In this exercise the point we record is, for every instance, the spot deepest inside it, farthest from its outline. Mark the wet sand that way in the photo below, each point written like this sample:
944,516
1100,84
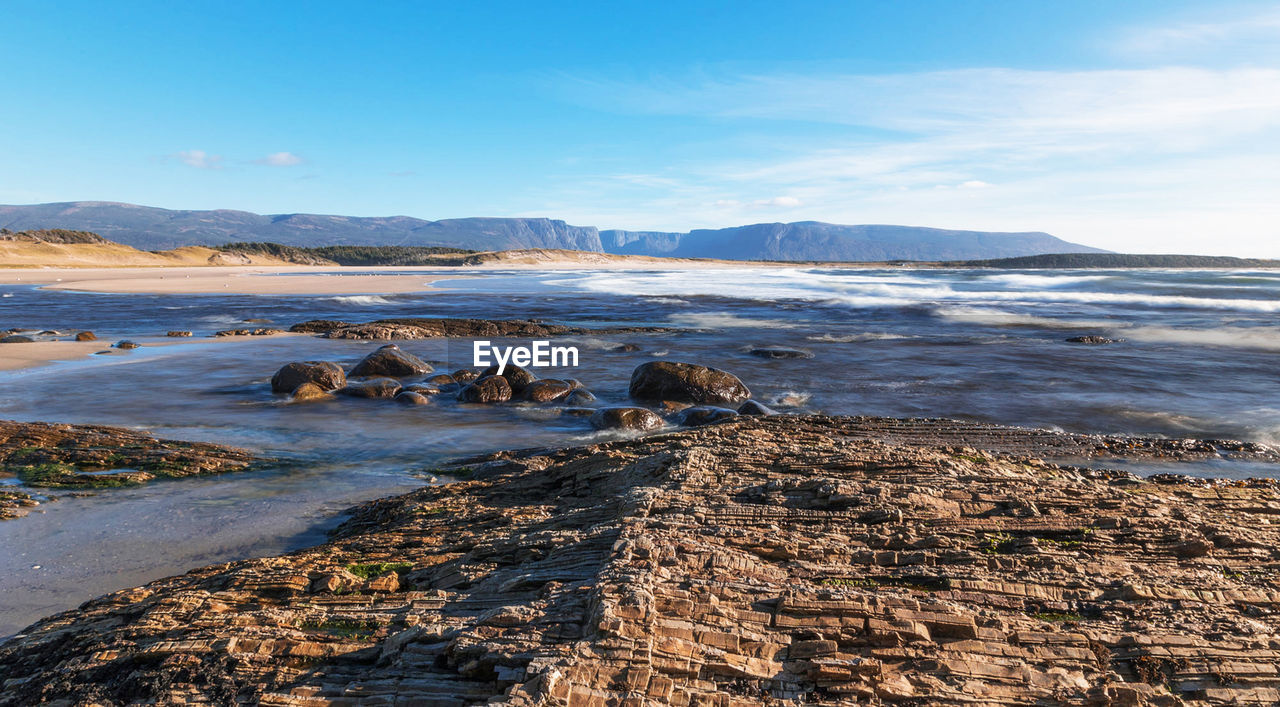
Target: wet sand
28,355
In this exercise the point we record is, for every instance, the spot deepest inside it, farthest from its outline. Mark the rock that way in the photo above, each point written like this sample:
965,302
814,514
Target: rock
544,391
1093,340
1197,547
325,374
257,320
126,344
579,397
785,560
371,388
443,380
780,353
578,411
310,392
408,397
519,378
390,361
17,339
431,328
625,418
487,389
752,407
464,375
422,389
178,333
625,348
705,415
233,332
686,382
86,336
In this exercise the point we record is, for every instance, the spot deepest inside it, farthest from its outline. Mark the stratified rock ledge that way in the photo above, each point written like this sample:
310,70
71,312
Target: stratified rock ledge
763,560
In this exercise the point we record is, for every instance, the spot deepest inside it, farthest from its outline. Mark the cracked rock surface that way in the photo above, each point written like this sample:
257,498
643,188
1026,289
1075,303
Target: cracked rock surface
763,560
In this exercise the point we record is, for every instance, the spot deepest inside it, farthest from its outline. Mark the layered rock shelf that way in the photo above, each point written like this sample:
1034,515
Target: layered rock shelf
434,328
93,456
762,560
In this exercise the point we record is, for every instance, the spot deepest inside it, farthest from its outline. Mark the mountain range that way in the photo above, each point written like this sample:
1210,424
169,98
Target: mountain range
153,228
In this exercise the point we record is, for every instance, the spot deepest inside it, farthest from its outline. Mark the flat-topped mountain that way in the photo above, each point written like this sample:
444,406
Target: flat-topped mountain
153,228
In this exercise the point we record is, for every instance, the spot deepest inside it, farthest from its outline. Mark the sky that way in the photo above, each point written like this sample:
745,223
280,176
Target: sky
1137,126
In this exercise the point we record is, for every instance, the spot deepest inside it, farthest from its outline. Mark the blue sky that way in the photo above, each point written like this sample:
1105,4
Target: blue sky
1138,126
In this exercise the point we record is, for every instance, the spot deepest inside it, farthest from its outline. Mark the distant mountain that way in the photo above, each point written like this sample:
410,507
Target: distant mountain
1117,261
813,240
154,229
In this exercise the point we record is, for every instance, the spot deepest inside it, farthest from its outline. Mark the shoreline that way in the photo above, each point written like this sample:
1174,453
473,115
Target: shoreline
23,356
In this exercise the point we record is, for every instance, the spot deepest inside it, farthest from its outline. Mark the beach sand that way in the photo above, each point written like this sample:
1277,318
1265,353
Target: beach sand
239,280
38,353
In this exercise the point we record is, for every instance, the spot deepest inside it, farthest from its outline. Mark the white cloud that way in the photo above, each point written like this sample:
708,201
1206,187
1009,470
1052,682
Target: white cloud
1146,159
199,159
1255,33
280,159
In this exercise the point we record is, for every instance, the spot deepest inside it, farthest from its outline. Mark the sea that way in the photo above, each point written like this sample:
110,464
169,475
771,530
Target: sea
1197,355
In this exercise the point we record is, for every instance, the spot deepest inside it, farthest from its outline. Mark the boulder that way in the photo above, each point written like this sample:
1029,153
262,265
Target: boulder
324,374
126,344
408,397
372,388
464,375
308,391
686,382
422,389
752,407
178,333
519,378
17,339
625,418
579,397
390,361
544,391
86,336
442,379
780,352
704,415
489,389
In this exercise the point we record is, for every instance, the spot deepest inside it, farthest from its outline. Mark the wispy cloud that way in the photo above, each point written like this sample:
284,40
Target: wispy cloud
280,159
1256,33
1092,155
199,159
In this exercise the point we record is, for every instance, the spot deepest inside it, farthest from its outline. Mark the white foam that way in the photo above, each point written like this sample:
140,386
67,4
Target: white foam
360,299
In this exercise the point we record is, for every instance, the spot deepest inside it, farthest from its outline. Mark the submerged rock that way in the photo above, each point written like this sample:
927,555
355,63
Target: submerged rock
780,353
409,397
579,397
752,407
371,388
686,382
1092,340
17,339
705,415
625,418
422,389
390,361
488,389
324,374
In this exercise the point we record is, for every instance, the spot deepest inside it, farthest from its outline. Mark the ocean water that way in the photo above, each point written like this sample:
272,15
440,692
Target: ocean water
1199,360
